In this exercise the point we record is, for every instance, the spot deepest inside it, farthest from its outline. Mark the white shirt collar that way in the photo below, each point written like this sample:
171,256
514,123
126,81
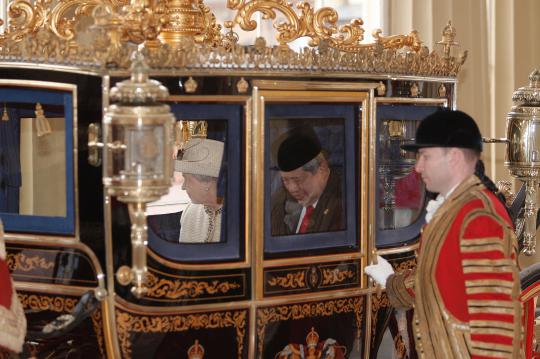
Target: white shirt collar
434,204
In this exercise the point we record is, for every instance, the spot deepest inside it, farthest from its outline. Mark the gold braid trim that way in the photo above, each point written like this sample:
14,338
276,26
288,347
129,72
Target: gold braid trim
396,287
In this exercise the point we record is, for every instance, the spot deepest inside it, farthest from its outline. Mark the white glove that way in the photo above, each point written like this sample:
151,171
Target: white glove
380,271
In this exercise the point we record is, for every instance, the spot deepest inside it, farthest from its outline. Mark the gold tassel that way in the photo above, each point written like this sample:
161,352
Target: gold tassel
42,124
5,115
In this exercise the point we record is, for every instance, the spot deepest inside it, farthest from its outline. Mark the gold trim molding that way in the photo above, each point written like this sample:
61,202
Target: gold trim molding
90,34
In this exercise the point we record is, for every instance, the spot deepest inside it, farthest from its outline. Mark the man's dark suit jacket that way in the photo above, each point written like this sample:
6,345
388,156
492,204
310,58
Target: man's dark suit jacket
329,214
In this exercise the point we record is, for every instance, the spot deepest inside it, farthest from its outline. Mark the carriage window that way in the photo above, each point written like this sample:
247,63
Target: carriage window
307,183
193,209
36,159
401,191
401,195
201,219
311,163
33,176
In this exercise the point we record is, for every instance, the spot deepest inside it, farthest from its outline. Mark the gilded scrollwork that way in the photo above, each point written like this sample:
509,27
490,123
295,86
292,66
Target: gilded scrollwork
335,275
28,17
40,302
267,315
128,323
159,287
97,324
21,262
47,31
378,301
289,280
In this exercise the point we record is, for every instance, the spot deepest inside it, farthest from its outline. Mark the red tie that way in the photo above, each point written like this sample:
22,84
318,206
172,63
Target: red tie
305,220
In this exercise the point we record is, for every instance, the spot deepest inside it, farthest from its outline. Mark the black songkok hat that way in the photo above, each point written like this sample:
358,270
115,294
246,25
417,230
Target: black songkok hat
447,128
299,147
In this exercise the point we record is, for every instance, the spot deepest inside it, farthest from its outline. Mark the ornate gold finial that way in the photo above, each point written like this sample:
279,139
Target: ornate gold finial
198,129
381,89
414,90
442,90
190,85
396,128
448,39
242,85
142,23
196,351
183,18
312,339
5,115
184,132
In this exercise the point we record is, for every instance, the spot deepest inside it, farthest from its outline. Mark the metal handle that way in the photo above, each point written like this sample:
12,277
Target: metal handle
529,233
137,274
495,140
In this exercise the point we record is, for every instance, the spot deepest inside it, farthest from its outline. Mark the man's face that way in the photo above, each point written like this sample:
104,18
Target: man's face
433,165
304,186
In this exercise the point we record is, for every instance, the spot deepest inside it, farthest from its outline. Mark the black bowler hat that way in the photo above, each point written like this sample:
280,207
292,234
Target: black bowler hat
299,147
447,128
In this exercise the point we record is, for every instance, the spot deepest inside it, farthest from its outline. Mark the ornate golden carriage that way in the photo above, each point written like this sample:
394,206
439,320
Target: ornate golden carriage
256,293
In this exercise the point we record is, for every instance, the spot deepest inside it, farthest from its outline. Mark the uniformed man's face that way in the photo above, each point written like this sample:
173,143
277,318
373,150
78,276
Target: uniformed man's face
433,165
304,186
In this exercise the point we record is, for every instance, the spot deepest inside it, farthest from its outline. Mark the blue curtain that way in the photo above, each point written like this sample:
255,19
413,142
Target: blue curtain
10,163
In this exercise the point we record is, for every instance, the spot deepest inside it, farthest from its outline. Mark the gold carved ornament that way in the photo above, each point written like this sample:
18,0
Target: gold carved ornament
176,289
318,25
128,323
328,308
336,275
97,324
378,301
49,32
52,28
290,280
38,303
24,263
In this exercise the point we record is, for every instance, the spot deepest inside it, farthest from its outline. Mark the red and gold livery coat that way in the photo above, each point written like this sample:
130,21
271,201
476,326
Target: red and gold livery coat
12,319
466,286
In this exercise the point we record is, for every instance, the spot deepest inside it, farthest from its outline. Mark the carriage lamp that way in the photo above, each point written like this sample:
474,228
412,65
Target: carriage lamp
523,151
137,165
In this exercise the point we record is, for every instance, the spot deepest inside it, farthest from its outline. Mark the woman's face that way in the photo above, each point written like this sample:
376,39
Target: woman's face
198,191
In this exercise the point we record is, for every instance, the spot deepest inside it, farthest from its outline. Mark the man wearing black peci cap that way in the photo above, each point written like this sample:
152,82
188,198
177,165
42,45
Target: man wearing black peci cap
465,287
310,199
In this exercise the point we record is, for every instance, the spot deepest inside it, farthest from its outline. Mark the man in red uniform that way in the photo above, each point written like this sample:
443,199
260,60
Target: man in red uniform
465,288
12,319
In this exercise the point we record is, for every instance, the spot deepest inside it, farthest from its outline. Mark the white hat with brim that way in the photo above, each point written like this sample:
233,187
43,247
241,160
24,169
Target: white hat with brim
201,157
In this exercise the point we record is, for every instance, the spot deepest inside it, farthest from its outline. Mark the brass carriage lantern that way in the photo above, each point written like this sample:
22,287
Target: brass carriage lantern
137,164
523,151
